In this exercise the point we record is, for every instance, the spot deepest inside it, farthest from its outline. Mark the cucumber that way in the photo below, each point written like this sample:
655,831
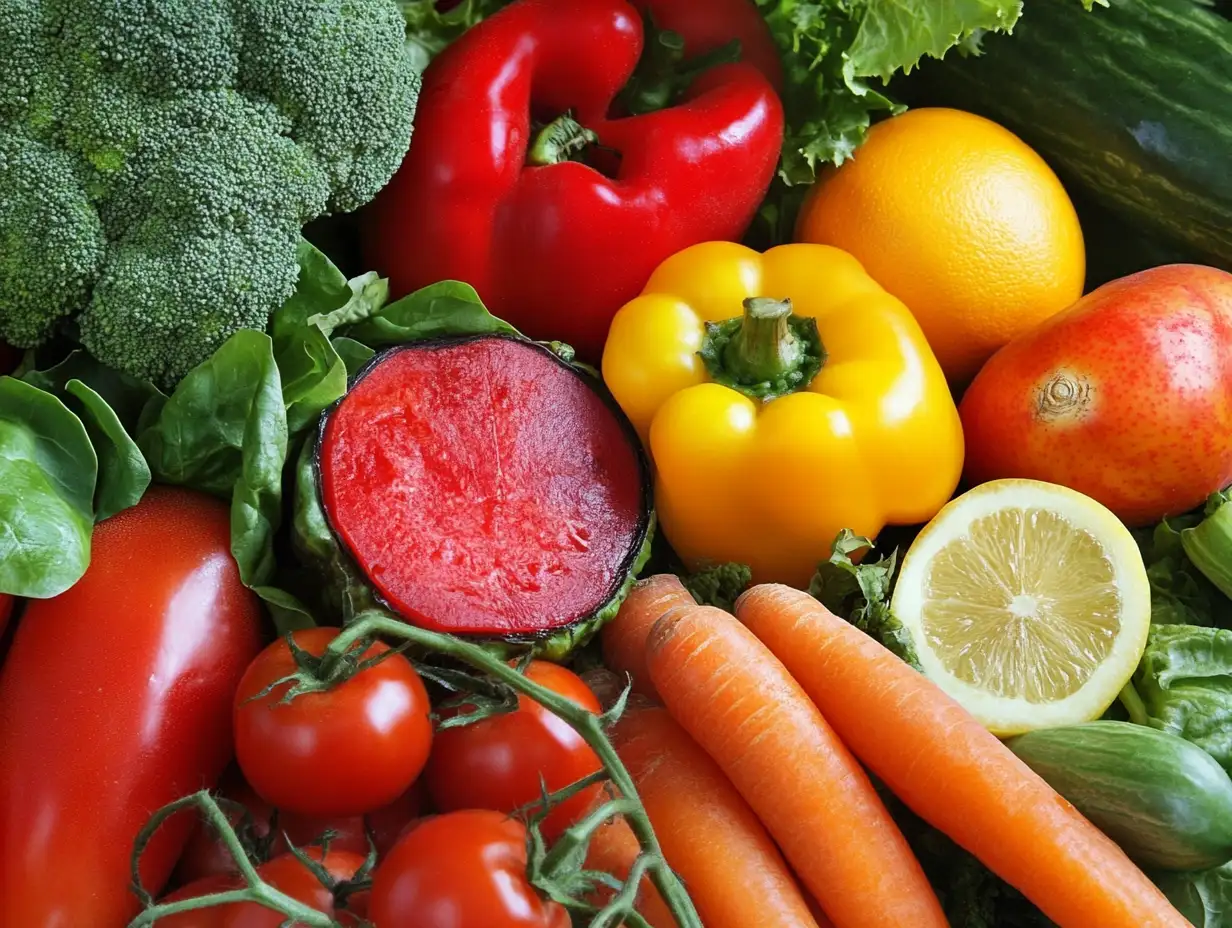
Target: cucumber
1165,801
1129,103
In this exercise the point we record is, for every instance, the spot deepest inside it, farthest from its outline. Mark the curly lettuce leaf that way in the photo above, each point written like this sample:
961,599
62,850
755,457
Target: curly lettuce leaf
429,29
839,54
860,593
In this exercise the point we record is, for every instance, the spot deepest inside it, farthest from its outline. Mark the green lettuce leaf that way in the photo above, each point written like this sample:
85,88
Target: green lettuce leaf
428,30
48,471
838,55
1209,543
1203,897
860,593
1185,683
1180,593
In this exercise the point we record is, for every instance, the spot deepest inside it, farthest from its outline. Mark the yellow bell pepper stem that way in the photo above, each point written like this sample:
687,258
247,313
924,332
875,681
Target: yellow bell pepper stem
735,365
768,352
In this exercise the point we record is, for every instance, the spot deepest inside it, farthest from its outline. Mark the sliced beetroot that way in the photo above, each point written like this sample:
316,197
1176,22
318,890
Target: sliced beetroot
485,486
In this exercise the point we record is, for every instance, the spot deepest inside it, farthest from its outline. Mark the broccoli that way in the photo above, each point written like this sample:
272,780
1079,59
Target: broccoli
158,159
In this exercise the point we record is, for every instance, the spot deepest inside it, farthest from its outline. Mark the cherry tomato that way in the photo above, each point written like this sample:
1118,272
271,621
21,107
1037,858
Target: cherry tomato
497,763
285,873
461,870
207,856
114,701
343,751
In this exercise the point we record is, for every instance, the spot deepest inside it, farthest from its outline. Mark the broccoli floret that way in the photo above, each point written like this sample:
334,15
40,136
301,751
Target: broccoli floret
158,159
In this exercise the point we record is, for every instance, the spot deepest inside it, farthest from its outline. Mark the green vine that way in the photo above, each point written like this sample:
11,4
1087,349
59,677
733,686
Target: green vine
557,872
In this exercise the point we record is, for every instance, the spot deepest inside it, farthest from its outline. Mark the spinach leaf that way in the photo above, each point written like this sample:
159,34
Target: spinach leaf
224,431
446,308
354,354
48,471
123,475
860,593
1185,682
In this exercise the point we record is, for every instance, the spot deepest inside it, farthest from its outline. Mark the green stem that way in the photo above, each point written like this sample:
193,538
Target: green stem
559,141
586,724
256,891
765,347
1134,705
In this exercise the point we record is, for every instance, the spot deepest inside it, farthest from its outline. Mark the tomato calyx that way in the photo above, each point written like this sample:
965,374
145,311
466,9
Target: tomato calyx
317,674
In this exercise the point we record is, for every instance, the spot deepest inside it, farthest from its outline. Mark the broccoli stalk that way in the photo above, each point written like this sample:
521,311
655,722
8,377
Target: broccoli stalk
158,159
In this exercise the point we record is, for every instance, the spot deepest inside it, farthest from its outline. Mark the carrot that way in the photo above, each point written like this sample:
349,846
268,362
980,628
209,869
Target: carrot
709,835
624,638
952,772
742,706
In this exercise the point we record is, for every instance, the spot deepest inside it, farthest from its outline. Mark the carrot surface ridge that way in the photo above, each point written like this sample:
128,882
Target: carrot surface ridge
742,706
624,638
951,771
709,835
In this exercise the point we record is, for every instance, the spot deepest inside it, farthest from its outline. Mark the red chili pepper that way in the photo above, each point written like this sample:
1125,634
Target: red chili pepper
489,196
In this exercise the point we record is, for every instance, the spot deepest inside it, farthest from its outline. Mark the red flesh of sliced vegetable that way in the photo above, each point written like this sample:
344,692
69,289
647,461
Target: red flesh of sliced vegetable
484,486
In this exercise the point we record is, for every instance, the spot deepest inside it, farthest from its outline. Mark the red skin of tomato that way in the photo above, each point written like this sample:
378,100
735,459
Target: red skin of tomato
497,763
462,870
114,701
1126,396
341,752
285,873
206,855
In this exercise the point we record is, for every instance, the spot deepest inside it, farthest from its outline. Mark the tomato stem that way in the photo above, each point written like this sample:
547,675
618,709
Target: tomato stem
586,724
256,891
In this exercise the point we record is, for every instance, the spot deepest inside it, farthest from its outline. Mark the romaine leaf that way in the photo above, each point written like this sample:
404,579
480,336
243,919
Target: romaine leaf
1185,682
860,593
48,471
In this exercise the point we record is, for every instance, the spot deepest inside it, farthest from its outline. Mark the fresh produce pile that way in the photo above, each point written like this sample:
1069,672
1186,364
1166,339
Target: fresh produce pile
612,463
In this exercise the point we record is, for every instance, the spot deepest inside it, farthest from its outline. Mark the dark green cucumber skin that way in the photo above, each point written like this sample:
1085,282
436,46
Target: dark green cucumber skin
1130,104
1165,801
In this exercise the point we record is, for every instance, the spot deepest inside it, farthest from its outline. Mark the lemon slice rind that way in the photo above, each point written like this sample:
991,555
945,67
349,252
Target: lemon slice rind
1006,715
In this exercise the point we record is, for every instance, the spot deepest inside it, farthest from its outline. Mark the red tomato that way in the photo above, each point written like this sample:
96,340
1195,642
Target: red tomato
346,751
462,870
115,700
206,856
497,763
284,873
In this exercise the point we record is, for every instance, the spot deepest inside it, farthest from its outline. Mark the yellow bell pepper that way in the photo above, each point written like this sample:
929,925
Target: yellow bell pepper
783,397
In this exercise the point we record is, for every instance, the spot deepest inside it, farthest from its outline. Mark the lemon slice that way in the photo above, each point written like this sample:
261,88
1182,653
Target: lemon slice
1028,603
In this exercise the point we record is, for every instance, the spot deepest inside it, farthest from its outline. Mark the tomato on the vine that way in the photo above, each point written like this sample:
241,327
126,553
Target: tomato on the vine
206,855
497,763
115,699
461,870
285,873
343,751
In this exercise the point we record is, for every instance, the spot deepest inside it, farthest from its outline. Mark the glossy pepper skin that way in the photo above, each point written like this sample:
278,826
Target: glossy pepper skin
872,438
557,248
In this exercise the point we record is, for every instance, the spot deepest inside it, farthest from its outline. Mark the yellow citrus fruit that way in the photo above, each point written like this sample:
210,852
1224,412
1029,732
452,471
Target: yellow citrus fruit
1028,603
959,219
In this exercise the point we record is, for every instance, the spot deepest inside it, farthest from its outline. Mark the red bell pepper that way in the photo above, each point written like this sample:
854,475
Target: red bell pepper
491,192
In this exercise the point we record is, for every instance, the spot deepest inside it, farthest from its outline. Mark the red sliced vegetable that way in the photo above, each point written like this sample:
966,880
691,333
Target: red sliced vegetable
485,486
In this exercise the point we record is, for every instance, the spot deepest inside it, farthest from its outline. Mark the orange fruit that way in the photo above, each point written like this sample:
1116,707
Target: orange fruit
962,221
